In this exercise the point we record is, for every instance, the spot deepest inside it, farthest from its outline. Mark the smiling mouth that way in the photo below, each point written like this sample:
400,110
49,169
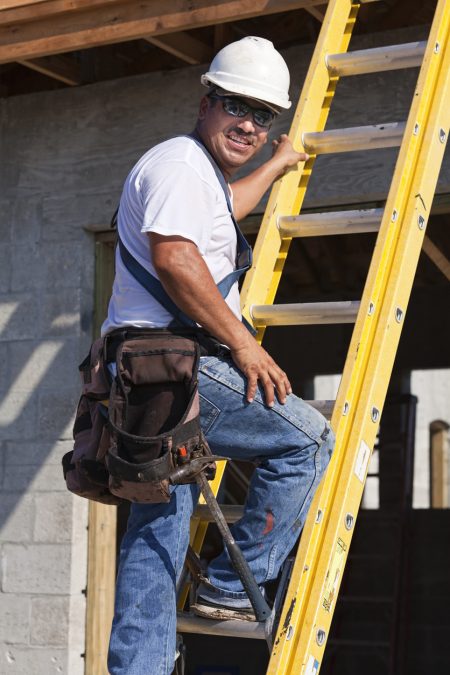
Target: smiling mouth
244,141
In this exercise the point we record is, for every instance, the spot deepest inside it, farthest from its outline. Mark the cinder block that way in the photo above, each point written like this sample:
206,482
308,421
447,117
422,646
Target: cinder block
14,619
5,267
22,323
37,661
65,216
49,364
36,568
28,270
6,206
4,367
50,621
60,313
57,413
26,452
16,517
63,265
34,478
53,517
18,415
26,219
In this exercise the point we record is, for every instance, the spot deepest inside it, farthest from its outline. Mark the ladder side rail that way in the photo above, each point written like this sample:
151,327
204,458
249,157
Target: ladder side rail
372,348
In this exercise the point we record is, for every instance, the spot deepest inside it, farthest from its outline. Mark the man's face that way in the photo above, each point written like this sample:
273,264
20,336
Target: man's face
232,141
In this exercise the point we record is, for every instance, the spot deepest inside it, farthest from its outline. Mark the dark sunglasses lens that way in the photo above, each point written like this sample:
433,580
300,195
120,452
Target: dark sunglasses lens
263,118
235,108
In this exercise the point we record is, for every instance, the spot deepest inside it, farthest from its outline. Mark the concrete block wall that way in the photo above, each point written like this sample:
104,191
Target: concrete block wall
65,155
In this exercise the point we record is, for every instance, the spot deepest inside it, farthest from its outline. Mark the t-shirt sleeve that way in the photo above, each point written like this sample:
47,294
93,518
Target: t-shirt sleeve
177,201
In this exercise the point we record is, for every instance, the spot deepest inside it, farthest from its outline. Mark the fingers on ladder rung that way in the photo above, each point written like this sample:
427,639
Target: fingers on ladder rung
300,314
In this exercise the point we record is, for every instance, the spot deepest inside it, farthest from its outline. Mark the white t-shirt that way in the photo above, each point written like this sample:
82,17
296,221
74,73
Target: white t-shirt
172,190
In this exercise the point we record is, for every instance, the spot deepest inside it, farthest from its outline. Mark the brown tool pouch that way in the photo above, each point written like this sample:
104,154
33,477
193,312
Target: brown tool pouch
151,426
154,414
84,467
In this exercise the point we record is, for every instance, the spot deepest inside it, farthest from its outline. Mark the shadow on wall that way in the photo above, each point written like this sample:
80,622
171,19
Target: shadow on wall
39,390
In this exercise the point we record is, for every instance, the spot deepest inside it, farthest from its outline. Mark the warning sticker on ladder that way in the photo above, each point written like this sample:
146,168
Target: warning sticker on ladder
334,573
312,667
362,460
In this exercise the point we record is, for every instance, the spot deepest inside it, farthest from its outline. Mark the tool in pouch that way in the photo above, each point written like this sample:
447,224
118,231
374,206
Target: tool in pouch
149,436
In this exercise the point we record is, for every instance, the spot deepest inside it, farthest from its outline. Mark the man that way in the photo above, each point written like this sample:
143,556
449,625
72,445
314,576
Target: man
175,221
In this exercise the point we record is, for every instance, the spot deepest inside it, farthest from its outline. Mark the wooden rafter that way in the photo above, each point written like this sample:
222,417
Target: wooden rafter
317,12
44,28
436,255
184,47
58,67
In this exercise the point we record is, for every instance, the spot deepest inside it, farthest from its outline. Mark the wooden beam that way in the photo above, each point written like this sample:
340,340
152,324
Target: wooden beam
79,25
439,460
100,585
317,12
184,47
436,256
59,68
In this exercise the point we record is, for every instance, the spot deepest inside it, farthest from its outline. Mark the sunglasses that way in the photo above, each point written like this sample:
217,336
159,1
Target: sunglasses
237,108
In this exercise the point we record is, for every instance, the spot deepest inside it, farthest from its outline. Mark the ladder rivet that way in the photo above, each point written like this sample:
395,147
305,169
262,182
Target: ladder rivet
421,222
346,408
319,515
349,520
141,476
320,637
442,135
394,215
375,414
290,632
371,309
398,314
416,128
437,47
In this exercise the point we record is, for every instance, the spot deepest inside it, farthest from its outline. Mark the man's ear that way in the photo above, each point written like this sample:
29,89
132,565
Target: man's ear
204,105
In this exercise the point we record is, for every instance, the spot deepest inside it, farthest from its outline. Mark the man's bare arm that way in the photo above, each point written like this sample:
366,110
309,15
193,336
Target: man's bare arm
248,191
186,278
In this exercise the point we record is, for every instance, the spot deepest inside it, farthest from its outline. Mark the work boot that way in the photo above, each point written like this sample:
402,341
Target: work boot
211,605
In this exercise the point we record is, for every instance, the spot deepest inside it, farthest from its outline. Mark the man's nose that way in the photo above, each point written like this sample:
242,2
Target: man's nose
246,124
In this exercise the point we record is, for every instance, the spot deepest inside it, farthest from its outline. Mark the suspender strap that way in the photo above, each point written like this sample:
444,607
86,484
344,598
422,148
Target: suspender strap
154,286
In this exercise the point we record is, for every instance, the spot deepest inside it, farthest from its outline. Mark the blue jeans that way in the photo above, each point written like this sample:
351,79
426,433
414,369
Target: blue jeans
291,445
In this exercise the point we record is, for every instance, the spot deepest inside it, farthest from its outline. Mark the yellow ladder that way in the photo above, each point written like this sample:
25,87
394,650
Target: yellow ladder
303,629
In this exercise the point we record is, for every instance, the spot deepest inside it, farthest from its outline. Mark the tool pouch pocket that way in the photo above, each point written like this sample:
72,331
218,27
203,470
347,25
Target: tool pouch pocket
154,415
84,467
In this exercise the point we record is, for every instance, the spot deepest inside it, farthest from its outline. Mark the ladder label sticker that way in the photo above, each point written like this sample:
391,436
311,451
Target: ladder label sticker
312,667
333,574
362,460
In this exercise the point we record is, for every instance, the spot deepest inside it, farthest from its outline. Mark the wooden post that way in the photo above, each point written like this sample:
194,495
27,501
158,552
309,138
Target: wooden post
439,465
100,585
102,517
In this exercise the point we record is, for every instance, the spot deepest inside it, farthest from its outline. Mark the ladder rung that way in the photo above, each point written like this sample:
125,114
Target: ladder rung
371,137
330,222
392,57
189,623
231,512
299,314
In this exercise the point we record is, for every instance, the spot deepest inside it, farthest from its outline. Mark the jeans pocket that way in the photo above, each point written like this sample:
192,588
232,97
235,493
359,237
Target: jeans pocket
208,413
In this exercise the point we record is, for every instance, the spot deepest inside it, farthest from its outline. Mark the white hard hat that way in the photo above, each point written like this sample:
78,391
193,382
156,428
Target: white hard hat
251,67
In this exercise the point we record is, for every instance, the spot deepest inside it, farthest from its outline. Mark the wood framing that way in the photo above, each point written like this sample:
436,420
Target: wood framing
439,464
42,28
58,67
183,46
